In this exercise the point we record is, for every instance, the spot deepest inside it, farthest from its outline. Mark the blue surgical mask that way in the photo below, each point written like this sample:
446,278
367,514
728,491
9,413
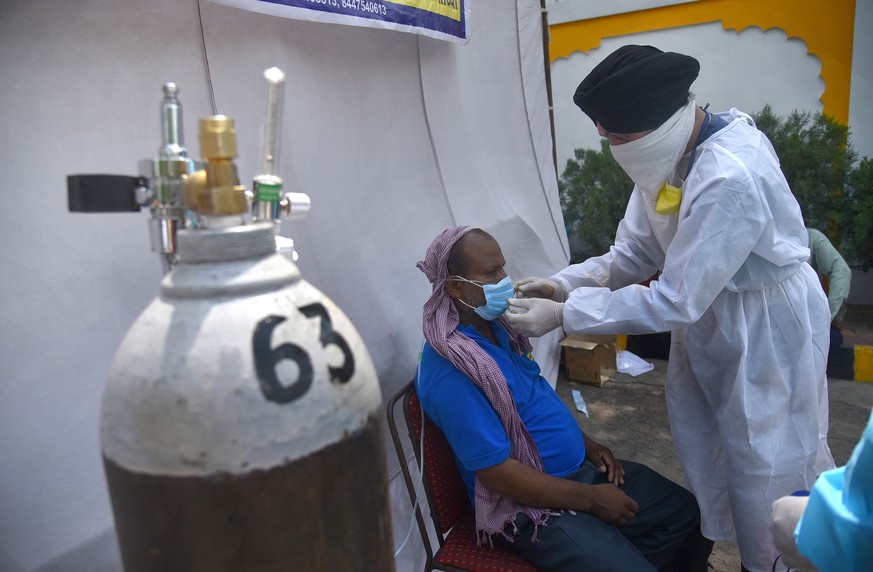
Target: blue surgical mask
496,298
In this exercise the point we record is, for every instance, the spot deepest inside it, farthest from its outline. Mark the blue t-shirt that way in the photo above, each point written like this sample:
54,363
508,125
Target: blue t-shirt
472,427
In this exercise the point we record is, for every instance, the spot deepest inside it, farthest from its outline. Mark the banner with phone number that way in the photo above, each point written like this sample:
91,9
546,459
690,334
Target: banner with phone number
441,19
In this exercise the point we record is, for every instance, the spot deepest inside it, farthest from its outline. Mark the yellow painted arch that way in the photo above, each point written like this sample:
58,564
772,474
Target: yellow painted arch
827,27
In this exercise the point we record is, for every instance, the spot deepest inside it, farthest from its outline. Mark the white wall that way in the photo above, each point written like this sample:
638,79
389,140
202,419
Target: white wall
860,110
395,137
561,11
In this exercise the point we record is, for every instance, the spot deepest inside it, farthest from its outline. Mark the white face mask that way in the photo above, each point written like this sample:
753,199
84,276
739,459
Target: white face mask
651,160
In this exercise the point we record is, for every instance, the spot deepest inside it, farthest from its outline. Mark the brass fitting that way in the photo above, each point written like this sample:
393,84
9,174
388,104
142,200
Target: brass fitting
215,191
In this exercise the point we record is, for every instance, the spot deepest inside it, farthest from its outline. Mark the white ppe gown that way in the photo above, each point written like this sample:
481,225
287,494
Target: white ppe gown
746,389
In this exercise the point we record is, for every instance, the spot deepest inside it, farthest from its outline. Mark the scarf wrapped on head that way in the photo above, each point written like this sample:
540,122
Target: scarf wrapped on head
440,320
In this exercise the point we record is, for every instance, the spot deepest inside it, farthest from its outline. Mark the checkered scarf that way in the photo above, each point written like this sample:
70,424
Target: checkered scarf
440,319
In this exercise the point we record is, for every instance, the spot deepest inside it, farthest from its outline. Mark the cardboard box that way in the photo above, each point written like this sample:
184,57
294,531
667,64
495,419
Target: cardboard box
589,359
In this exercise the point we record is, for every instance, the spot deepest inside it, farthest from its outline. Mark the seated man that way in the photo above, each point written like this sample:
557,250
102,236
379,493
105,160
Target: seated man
537,483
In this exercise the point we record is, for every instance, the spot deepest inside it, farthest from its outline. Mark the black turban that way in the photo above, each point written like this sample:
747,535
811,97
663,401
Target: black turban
636,88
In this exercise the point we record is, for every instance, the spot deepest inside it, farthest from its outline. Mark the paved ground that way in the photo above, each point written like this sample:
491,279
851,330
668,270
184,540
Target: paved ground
630,416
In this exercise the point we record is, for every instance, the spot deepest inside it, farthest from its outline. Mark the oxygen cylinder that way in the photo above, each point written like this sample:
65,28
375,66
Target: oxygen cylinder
240,425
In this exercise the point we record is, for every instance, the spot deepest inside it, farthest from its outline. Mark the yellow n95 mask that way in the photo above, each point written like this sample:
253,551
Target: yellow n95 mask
669,199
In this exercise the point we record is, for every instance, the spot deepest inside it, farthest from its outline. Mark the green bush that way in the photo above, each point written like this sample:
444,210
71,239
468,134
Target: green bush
816,159
858,231
819,163
594,193
815,155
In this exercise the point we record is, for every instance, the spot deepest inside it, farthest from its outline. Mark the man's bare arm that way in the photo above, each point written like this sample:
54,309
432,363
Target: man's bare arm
531,487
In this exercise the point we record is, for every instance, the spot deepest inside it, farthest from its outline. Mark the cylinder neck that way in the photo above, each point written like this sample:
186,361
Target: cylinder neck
208,245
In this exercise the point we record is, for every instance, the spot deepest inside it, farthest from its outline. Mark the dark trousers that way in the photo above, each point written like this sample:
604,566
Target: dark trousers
836,337
666,525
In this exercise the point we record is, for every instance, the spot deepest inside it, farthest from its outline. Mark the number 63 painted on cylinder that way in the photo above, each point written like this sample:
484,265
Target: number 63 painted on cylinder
266,358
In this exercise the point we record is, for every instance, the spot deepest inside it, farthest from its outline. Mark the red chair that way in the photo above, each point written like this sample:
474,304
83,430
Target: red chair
451,512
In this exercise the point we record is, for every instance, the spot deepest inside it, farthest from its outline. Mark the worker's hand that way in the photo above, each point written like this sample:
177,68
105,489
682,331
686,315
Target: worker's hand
784,516
605,461
611,505
534,317
540,288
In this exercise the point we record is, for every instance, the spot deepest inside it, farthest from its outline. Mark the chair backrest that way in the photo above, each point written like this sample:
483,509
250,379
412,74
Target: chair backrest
446,491
446,494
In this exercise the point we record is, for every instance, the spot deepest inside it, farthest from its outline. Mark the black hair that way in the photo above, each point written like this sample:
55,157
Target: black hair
457,262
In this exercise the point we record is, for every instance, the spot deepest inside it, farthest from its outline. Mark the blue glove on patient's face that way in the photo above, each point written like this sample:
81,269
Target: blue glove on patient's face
534,317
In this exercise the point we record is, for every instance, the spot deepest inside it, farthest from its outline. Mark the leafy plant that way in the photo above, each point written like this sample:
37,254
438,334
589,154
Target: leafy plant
594,193
858,231
816,158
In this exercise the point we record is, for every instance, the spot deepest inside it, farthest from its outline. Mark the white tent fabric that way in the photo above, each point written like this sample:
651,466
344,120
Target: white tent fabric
394,136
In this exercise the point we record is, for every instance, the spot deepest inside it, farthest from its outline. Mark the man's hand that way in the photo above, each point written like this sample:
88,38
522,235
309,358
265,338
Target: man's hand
605,461
540,288
534,317
611,505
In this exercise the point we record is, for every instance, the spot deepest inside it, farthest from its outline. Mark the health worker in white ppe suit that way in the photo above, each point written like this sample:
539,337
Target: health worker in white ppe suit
710,210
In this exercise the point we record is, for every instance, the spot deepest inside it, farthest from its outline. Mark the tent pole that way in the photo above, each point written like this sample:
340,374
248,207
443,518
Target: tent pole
548,69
